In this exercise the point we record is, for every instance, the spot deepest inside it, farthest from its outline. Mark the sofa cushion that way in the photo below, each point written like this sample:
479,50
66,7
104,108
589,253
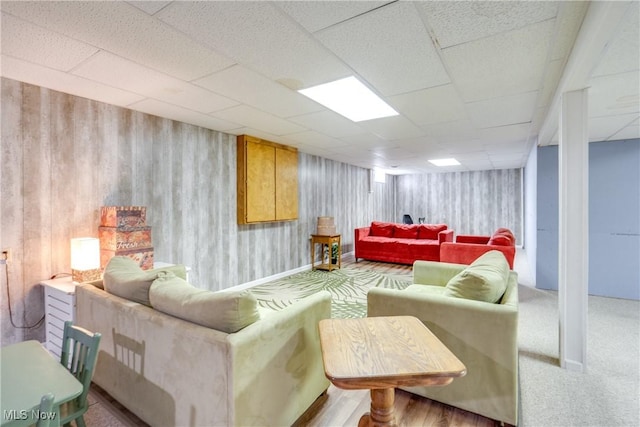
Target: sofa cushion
124,277
507,233
227,311
406,231
484,280
500,240
382,229
430,231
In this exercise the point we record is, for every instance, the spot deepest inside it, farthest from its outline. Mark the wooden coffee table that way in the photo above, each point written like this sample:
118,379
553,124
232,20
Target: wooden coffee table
382,353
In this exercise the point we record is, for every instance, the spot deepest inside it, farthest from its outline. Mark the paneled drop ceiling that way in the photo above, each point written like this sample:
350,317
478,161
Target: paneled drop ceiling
478,81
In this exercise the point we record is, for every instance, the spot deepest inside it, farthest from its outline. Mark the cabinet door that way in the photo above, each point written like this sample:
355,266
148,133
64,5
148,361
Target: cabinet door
261,182
286,184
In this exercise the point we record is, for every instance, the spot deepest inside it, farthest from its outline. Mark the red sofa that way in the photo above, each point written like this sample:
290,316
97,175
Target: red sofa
401,243
468,248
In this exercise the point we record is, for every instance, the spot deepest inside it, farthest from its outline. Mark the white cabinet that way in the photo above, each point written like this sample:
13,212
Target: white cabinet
59,306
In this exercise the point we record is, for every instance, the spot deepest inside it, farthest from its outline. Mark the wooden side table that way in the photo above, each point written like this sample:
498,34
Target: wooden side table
382,353
325,241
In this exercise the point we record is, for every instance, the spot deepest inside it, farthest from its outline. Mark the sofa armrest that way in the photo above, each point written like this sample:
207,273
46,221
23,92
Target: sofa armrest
445,236
362,232
277,363
481,325
482,335
466,253
467,238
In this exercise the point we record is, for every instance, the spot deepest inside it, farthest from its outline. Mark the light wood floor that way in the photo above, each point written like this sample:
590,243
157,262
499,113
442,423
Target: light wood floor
341,407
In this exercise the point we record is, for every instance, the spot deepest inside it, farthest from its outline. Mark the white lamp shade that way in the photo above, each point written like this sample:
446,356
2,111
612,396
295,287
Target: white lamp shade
85,253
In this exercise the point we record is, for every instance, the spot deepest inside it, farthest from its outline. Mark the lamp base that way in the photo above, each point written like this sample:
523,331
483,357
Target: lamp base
81,276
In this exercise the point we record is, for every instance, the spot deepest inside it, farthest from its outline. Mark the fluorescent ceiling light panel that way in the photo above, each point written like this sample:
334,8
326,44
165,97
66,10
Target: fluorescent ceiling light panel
444,162
350,98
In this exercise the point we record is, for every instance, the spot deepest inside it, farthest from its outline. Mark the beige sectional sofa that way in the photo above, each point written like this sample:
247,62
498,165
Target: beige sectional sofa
479,325
171,371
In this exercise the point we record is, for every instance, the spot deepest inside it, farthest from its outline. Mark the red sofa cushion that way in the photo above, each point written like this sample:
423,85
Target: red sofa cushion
500,240
382,229
430,231
425,249
406,231
503,232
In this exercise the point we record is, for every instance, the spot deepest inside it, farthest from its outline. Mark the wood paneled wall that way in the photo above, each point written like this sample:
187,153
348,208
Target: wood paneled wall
476,202
63,157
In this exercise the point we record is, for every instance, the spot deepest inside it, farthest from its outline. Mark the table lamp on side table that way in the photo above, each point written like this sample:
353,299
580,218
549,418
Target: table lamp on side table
85,259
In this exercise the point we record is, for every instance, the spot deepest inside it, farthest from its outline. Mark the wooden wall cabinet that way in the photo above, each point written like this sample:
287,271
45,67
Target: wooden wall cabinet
267,181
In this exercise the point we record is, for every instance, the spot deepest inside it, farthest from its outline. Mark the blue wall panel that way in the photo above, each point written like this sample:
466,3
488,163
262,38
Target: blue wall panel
614,219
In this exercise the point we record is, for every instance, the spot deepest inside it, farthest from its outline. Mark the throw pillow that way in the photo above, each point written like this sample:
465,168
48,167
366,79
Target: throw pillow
382,229
124,277
430,231
224,311
484,280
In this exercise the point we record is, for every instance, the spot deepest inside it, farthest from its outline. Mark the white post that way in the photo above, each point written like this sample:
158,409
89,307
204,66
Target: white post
573,271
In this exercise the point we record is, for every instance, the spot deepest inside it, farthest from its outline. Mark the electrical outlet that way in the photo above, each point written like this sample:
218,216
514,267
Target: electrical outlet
6,255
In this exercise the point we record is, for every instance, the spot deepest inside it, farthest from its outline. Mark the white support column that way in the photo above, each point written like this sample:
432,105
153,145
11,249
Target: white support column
573,271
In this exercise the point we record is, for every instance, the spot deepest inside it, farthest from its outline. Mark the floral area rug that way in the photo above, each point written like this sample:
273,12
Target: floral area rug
348,288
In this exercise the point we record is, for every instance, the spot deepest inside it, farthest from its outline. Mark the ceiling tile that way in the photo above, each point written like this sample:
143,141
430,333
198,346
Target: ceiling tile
251,88
396,127
244,31
328,123
517,132
252,118
148,6
315,139
173,112
457,22
614,94
434,105
363,140
118,72
508,110
500,65
603,128
401,58
126,31
27,72
31,43
631,131
623,54
450,131
316,15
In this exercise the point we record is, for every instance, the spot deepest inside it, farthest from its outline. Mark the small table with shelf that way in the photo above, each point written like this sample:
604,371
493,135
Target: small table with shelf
325,241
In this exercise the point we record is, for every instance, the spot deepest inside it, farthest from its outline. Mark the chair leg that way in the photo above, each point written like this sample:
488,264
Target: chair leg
80,421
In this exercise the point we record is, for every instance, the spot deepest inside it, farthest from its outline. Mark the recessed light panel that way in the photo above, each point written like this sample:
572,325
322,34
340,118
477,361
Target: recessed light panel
444,162
350,98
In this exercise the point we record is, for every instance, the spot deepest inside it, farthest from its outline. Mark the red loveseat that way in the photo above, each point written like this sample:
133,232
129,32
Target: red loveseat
468,248
401,243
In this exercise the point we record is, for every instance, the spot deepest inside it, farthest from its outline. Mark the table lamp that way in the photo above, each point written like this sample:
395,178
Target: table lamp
85,259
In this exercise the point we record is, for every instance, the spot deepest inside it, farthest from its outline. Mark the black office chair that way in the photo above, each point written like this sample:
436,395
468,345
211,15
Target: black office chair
406,219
